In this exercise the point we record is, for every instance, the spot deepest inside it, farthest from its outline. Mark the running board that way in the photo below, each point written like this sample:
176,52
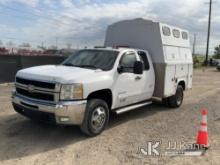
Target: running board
132,107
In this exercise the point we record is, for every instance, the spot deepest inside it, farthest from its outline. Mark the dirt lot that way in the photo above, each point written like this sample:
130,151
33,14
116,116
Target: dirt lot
25,142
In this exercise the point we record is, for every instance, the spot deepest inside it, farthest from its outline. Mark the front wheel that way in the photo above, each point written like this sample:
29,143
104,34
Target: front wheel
176,100
96,117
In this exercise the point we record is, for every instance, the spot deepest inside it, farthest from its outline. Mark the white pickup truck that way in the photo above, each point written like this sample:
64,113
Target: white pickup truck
140,60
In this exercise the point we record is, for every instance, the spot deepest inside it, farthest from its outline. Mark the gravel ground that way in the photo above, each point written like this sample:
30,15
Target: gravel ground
23,141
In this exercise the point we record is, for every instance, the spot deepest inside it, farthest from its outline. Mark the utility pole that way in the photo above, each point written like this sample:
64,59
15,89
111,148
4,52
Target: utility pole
194,44
208,34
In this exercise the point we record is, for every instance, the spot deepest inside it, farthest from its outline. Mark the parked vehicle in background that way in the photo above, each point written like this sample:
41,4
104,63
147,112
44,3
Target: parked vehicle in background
67,52
49,52
4,51
215,62
141,60
218,66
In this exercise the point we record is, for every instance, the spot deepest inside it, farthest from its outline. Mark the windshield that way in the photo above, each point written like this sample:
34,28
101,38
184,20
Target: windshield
92,59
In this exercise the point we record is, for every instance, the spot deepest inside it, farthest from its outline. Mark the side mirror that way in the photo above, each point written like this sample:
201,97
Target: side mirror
138,67
120,69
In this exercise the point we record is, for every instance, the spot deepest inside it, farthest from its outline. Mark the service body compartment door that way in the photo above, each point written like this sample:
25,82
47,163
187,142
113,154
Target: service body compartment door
190,76
172,55
170,85
181,70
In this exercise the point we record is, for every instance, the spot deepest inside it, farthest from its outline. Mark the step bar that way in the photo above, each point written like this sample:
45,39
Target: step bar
132,107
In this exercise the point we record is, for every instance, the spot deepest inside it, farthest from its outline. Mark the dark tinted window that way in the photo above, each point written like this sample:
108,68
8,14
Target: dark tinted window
92,59
166,31
127,62
184,35
176,33
144,59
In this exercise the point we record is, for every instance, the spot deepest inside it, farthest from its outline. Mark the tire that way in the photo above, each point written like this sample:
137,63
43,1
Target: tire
96,117
176,100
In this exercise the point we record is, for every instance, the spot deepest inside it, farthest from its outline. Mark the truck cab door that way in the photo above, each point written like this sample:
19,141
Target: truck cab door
128,85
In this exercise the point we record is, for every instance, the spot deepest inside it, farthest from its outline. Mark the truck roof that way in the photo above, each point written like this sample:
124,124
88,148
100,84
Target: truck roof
162,41
118,49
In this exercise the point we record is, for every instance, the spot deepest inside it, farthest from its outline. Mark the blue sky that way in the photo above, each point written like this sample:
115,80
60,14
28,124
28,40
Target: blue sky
83,22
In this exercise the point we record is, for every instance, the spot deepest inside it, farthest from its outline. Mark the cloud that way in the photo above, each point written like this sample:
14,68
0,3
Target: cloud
31,3
83,22
66,3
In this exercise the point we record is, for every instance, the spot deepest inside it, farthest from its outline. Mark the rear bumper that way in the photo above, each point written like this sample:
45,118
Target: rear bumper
66,112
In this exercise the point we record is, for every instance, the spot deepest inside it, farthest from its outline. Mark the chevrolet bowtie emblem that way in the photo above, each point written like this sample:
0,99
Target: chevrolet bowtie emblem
30,88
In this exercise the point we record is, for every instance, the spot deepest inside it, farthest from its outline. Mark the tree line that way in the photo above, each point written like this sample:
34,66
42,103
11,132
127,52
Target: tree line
217,52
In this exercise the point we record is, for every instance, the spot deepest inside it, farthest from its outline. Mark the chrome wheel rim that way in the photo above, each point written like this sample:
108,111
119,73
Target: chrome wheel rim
98,118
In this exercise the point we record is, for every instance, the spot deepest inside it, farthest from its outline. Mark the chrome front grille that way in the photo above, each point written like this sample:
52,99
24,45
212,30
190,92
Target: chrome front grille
37,90
39,84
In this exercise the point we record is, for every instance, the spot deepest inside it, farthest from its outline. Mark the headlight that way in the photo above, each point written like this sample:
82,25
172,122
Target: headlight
71,92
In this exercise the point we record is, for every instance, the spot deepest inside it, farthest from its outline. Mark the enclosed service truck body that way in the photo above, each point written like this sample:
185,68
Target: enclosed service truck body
168,46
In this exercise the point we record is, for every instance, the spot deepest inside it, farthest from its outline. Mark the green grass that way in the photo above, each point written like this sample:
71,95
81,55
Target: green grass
198,61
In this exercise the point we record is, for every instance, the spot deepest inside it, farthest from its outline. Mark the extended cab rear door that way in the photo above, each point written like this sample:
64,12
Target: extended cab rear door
148,77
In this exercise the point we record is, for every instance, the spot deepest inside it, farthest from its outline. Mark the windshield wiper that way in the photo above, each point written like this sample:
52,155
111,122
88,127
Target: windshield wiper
68,64
87,66
81,66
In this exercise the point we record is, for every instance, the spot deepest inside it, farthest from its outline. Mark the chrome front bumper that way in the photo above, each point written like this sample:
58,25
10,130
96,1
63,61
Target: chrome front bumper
64,112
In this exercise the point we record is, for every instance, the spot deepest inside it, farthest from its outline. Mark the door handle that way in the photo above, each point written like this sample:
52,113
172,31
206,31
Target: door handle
138,78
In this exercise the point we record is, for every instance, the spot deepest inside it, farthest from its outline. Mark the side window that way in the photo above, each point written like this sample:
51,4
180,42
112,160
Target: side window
184,35
166,31
176,33
127,62
143,57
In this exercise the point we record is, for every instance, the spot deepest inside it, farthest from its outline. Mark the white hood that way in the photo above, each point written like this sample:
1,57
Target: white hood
58,73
